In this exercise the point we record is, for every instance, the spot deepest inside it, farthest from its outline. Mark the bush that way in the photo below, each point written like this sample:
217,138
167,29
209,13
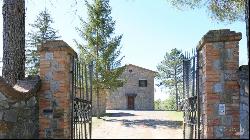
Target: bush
168,104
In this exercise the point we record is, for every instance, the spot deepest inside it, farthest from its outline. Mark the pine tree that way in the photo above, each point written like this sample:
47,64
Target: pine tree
102,47
41,32
170,72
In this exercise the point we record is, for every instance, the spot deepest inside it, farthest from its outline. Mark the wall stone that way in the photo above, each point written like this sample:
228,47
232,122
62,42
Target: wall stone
19,109
144,99
219,94
54,96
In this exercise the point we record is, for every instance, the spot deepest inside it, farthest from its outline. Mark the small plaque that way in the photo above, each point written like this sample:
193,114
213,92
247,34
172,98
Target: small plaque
222,109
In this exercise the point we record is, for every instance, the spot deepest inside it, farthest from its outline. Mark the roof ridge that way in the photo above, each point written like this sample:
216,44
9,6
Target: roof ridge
140,67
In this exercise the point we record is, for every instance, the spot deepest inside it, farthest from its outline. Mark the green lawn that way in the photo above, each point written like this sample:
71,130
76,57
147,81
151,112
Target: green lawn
175,115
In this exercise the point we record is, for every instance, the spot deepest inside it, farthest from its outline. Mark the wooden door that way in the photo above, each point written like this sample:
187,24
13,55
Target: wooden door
131,102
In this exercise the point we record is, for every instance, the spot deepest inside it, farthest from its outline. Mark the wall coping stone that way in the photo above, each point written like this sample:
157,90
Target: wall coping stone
57,45
221,35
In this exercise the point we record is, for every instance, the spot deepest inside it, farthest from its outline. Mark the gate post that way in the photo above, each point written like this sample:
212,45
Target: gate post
219,89
54,96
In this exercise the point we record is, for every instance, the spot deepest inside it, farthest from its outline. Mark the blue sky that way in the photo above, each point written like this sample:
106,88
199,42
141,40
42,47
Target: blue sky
150,28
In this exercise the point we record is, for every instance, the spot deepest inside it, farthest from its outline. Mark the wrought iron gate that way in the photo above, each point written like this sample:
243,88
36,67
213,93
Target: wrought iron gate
81,112
191,102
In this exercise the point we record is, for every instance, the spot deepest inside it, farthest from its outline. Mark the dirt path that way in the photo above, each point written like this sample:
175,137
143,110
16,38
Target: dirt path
123,124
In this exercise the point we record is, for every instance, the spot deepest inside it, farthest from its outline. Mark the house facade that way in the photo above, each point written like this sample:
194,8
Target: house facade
137,93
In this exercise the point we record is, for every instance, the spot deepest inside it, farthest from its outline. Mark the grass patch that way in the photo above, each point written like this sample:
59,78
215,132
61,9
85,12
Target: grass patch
175,115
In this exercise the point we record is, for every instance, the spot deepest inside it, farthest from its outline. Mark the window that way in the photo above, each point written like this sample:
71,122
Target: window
130,71
142,83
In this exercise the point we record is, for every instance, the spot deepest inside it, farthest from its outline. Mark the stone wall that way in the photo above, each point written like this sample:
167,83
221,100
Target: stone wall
219,87
244,101
19,109
144,96
54,96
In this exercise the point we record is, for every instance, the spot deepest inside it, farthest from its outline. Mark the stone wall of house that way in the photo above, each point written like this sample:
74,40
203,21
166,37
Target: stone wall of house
19,109
244,101
54,96
219,87
144,99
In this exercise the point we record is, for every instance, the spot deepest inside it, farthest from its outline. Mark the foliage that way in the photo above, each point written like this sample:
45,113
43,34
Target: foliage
158,105
170,69
41,31
221,10
168,104
102,46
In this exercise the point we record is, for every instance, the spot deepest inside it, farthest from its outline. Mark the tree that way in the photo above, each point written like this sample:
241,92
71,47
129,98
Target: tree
157,105
220,10
169,103
102,47
170,71
13,40
41,32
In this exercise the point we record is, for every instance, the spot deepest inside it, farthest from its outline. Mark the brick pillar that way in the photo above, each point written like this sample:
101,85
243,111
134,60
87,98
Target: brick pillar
219,89
54,95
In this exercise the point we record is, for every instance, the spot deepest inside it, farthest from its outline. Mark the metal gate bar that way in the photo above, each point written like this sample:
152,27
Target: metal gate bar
191,112
81,113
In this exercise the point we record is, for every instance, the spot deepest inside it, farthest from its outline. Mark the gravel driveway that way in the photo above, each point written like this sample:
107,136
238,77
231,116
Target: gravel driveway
124,124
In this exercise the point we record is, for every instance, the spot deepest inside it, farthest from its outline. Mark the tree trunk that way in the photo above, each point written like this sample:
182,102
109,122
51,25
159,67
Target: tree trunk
98,103
176,90
97,79
13,40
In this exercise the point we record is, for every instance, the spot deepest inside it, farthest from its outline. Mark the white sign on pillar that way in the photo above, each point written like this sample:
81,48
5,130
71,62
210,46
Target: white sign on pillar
222,109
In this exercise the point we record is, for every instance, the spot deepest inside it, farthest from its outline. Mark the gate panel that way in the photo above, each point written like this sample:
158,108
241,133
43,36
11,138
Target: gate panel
191,96
81,112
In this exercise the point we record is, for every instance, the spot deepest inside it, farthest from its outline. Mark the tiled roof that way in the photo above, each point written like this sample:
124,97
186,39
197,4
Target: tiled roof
140,67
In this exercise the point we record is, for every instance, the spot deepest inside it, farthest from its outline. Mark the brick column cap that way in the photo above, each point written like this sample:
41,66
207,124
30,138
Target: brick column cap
56,45
221,35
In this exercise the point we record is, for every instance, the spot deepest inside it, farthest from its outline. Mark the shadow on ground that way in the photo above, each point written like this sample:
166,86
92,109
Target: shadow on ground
148,123
119,114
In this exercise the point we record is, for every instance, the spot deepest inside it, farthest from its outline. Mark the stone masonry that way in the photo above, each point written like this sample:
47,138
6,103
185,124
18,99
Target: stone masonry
54,96
19,109
143,96
219,87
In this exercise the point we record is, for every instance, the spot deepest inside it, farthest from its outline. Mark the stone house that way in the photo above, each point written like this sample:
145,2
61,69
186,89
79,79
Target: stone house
137,93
